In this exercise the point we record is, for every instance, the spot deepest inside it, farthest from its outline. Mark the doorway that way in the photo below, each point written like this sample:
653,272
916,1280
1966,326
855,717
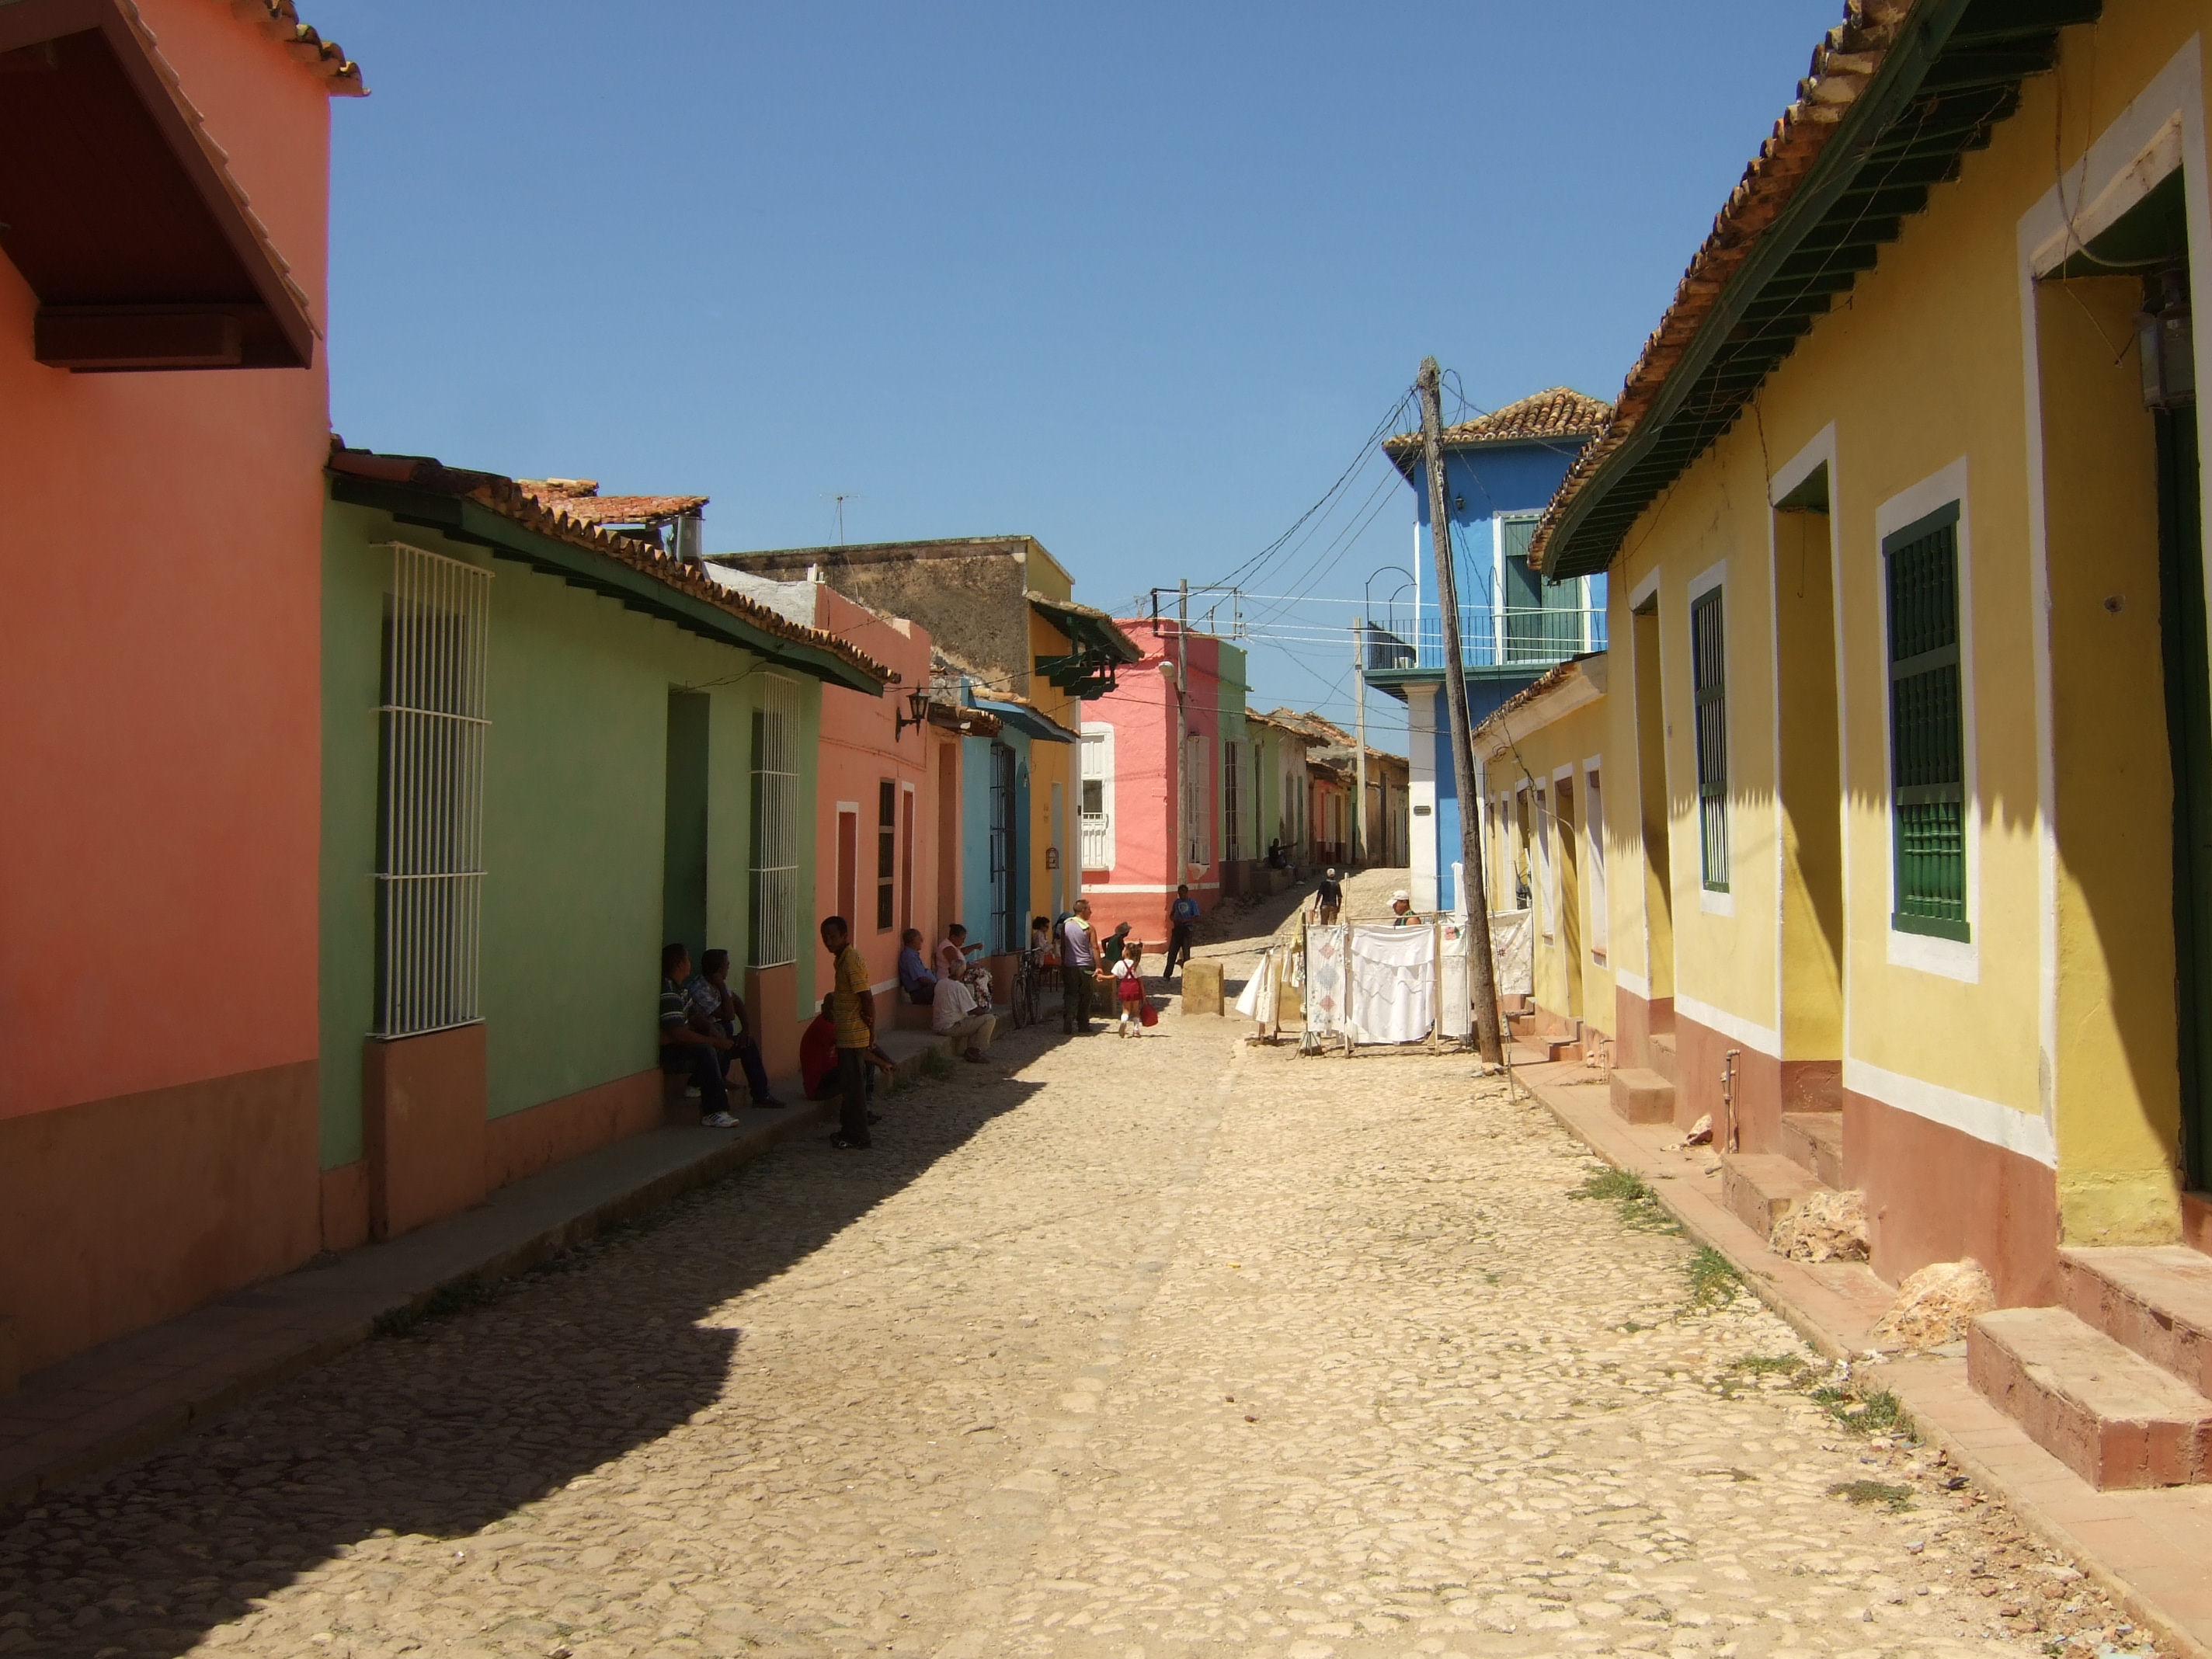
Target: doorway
683,825
2188,740
948,838
1571,893
1812,800
1001,922
1653,804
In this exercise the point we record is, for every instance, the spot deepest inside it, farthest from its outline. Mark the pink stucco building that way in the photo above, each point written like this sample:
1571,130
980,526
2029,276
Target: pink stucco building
1135,792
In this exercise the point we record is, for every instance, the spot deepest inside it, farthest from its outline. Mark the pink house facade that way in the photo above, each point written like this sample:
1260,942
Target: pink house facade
1138,799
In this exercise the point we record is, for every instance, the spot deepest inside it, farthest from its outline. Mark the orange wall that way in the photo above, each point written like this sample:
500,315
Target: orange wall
159,545
861,746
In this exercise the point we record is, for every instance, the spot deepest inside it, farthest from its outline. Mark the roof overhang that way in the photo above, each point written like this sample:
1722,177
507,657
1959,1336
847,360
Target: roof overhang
120,212
462,519
1029,721
1574,684
1951,74
1096,648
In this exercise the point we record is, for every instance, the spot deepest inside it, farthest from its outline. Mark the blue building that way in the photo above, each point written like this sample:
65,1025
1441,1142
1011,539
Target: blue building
1500,472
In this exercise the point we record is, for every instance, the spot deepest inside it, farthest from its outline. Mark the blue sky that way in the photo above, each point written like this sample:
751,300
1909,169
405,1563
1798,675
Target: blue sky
1137,280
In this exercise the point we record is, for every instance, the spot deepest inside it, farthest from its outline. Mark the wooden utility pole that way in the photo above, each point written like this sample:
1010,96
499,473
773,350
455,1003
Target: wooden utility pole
1475,892
1182,731
1359,768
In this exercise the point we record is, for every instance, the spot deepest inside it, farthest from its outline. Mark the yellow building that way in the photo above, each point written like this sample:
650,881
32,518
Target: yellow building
1541,759
1907,601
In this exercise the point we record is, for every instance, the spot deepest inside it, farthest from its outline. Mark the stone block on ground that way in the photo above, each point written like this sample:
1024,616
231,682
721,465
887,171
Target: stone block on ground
1642,1096
1761,1187
1201,988
1935,1306
1825,1226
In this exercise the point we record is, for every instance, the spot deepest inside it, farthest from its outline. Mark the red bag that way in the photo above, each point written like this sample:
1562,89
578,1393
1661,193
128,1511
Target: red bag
1148,1014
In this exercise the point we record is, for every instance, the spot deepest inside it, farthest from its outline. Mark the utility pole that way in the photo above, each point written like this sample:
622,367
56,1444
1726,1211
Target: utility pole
1359,761
1474,894
1182,727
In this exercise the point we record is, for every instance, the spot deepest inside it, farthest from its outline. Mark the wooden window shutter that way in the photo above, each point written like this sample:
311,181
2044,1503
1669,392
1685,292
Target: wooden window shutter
1926,732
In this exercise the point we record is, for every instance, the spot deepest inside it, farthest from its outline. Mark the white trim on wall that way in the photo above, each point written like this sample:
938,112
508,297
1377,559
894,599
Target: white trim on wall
1986,1120
1635,984
1733,1026
1951,958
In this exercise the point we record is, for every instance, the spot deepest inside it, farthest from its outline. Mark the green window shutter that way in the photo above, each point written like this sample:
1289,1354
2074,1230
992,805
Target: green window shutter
1523,591
1926,732
1709,681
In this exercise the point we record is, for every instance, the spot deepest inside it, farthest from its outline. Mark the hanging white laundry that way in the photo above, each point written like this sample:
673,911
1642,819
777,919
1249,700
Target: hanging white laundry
1455,999
1325,982
1394,974
1257,999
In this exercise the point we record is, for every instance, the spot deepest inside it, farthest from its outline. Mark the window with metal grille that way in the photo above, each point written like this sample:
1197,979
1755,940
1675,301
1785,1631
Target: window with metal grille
772,859
1232,817
1196,798
429,854
886,854
1927,737
1709,682
1004,795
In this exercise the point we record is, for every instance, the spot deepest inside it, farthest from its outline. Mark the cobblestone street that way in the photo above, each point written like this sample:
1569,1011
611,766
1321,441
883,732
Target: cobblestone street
1132,1349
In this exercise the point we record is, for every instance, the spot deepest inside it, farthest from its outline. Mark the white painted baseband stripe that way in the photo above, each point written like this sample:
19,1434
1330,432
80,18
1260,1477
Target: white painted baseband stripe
1729,1025
1989,1122
1635,984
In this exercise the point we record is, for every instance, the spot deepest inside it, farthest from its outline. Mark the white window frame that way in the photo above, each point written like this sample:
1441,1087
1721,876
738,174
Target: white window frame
774,825
1098,754
1597,925
437,725
1712,903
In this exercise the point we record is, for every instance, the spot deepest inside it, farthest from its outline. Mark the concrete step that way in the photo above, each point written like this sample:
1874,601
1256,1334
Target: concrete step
1562,1048
2155,1300
1663,1056
1814,1142
1528,1053
1642,1096
1759,1188
2110,1415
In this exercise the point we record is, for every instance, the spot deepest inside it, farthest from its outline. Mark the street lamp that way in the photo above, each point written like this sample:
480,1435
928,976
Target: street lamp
916,713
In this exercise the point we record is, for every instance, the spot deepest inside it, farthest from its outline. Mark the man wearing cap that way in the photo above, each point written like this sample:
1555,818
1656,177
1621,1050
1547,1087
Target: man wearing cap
1328,898
1402,910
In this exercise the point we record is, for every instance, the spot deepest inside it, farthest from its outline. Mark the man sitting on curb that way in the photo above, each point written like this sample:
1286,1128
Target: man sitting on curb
958,1015
686,1049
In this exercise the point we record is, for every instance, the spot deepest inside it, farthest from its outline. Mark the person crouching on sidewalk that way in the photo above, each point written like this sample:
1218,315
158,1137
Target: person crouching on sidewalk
956,1014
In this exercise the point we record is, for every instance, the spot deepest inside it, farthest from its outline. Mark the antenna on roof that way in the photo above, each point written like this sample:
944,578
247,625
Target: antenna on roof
841,498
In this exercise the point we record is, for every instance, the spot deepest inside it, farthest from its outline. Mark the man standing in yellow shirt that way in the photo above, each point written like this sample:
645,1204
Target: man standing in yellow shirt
854,1012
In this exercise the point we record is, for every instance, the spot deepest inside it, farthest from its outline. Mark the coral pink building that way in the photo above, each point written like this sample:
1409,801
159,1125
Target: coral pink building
1136,790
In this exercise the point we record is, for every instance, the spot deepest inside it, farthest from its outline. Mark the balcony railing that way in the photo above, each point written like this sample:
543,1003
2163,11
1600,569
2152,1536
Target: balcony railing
1490,637
1098,842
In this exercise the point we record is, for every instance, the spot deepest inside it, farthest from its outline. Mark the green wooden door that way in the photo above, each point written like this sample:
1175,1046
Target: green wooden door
2188,739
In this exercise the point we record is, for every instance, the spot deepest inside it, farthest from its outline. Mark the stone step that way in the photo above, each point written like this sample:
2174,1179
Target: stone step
2155,1300
2108,1414
1759,1188
1814,1142
1528,1053
1661,1045
1562,1048
1642,1096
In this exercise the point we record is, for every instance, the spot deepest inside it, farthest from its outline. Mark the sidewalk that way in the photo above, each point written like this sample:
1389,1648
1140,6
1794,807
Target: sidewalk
2149,1550
124,1397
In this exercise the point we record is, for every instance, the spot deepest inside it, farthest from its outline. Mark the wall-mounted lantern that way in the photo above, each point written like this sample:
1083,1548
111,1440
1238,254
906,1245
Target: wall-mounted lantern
917,703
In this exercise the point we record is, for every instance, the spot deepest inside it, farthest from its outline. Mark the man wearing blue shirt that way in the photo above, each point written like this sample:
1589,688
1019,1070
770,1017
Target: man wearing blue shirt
1180,916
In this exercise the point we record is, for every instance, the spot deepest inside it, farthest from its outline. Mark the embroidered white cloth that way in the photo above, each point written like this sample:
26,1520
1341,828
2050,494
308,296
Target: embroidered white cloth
1324,980
1512,942
1394,983
1454,997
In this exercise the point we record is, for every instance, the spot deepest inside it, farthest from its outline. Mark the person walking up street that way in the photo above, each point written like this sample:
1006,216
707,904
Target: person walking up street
1079,961
1182,916
855,1016
957,1014
1328,899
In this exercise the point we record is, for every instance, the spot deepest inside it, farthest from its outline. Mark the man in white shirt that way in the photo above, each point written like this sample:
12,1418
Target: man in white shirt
954,1014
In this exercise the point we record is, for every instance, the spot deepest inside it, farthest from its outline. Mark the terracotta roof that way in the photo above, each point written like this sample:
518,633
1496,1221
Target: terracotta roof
581,499
1557,412
1912,84
280,21
1590,666
508,499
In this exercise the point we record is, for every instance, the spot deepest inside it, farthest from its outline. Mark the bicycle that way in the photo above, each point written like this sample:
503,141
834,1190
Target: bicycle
1029,990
